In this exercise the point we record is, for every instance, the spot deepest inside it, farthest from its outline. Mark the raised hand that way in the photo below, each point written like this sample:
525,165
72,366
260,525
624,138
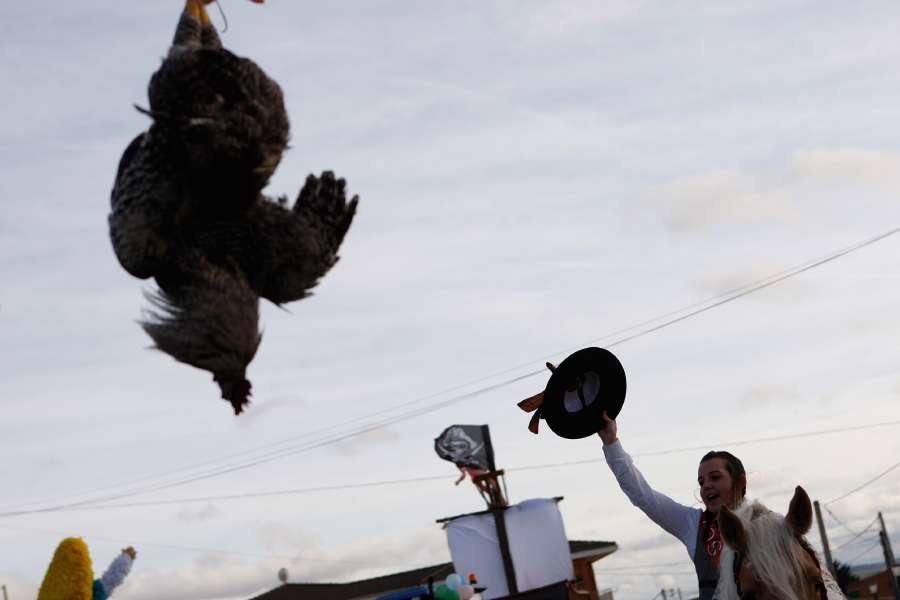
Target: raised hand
610,432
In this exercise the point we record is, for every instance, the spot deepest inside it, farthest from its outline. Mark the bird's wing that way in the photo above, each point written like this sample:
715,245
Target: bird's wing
143,203
293,248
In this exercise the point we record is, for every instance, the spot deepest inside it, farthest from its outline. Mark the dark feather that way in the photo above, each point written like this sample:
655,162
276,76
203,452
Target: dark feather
206,315
144,202
187,209
223,118
283,252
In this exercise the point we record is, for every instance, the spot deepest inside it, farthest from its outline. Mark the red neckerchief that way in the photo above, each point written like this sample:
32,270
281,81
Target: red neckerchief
712,537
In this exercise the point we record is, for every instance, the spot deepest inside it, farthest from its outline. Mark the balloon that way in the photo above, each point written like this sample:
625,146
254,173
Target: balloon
466,592
444,593
453,581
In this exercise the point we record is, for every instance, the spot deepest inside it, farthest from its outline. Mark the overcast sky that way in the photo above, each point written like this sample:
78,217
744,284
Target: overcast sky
533,176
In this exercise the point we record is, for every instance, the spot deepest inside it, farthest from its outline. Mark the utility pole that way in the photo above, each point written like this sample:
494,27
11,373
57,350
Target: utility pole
888,556
824,537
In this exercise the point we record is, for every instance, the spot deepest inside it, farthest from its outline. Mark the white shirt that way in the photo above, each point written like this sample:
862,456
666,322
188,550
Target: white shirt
681,521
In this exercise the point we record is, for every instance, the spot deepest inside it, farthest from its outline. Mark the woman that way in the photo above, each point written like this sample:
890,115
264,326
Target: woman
723,482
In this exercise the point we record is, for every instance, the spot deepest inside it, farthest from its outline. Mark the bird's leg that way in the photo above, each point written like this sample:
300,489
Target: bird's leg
200,8
209,37
195,29
187,33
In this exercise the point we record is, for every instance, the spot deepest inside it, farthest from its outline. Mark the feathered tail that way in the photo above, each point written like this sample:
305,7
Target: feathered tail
207,316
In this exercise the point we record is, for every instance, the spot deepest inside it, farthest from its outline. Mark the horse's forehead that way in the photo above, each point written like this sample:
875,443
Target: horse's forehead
752,511
758,511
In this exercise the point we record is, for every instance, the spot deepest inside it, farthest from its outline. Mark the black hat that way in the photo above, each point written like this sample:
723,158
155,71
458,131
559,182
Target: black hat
581,388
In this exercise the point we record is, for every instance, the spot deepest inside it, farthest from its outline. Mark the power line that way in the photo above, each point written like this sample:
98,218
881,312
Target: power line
732,444
741,292
140,544
703,307
864,552
425,478
512,469
241,466
841,523
244,496
857,536
873,480
839,536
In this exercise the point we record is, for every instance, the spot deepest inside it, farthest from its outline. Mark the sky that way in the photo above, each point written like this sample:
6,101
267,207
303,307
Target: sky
534,177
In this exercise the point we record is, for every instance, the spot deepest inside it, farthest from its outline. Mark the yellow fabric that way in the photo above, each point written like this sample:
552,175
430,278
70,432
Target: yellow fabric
69,576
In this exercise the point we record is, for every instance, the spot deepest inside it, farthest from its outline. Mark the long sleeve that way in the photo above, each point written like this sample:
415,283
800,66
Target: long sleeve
679,520
116,572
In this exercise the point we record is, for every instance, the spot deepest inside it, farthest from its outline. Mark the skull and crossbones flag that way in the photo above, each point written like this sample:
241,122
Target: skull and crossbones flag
467,446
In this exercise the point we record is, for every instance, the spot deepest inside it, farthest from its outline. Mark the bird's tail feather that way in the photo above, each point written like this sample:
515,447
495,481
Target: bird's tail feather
209,320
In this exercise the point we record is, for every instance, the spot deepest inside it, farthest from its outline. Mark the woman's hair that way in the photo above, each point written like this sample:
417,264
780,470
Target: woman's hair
735,468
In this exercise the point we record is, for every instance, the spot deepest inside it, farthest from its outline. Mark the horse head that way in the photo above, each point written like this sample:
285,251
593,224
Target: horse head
769,558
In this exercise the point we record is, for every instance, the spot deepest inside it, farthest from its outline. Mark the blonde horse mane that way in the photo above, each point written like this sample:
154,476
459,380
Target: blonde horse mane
775,553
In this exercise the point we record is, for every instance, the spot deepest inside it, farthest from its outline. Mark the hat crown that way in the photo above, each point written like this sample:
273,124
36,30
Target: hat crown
583,386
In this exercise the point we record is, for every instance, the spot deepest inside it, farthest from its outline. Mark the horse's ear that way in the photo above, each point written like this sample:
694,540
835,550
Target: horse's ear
732,529
799,516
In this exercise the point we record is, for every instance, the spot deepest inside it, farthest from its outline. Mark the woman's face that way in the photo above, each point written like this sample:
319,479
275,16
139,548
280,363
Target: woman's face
716,484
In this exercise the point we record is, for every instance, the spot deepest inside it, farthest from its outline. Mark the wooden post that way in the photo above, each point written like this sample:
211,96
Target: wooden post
888,556
508,568
491,489
824,537
489,447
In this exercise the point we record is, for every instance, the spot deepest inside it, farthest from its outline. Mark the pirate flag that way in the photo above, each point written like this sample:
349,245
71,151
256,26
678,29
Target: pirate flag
467,446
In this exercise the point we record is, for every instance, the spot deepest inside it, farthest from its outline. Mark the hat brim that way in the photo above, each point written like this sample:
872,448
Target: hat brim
610,396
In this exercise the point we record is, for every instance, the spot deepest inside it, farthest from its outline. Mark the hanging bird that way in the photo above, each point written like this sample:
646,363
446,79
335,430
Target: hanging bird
219,129
188,211
221,117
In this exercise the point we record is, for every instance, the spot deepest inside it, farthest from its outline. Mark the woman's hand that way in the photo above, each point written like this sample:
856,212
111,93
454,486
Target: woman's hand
610,431
130,551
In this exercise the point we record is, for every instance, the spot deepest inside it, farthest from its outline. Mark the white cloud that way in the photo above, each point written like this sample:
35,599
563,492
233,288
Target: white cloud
864,166
787,192
216,577
364,442
759,395
285,538
199,580
699,202
199,514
